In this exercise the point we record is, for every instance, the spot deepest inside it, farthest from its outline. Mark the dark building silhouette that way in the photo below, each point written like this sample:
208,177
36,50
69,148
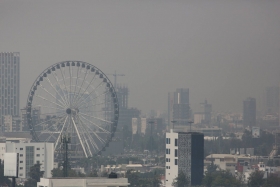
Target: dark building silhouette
191,155
249,112
272,100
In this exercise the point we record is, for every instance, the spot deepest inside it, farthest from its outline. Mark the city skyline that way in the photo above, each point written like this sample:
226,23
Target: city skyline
218,54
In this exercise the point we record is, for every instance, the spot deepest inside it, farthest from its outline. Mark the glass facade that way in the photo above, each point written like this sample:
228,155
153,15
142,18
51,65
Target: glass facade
9,89
29,159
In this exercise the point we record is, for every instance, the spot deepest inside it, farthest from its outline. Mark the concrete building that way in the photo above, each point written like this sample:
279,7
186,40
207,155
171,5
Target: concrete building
249,112
12,124
9,89
83,182
30,154
184,152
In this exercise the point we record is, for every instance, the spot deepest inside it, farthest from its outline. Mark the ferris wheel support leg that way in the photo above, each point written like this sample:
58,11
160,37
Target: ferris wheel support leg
79,137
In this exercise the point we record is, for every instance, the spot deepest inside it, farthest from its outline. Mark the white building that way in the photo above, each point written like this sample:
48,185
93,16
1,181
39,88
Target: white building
134,125
184,153
12,123
30,154
143,125
83,182
9,89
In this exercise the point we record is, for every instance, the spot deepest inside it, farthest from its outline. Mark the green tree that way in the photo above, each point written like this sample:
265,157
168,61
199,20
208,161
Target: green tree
34,176
220,179
181,180
133,177
3,180
256,179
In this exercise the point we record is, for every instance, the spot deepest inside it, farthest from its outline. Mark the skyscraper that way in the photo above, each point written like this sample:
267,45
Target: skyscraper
9,90
249,112
184,153
272,100
179,106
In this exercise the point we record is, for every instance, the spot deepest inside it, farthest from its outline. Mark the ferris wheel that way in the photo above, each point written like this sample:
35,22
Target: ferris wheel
73,99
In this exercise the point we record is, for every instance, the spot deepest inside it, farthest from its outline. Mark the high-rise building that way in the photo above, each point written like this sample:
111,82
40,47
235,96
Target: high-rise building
249,112
272,100
184,153
9,89
179,106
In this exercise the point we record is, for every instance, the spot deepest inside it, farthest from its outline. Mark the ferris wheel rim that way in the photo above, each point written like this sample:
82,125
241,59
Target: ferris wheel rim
87,67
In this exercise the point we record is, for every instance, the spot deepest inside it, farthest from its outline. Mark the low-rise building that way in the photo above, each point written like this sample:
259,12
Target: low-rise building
83,182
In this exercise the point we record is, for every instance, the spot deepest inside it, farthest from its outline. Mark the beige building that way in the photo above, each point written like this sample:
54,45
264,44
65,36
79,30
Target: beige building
83,182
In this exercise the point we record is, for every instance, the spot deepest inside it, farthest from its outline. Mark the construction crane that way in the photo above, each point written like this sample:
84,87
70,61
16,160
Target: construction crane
115,78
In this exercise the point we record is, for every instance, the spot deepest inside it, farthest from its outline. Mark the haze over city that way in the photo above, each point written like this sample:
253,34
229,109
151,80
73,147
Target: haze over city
224,51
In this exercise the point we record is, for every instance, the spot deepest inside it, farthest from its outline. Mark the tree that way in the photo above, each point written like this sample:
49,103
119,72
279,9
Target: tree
256,179
34,176
220,178
181,180
3,180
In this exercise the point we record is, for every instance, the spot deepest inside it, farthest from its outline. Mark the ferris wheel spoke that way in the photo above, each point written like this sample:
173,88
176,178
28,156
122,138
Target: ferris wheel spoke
59,136
78,133
89,84
86,102
36,95
48,107
59,85
55,90
47,121
95,118
77,79
86,74
94,145
70,77
86,136
104,130
52,95
94,90
65,86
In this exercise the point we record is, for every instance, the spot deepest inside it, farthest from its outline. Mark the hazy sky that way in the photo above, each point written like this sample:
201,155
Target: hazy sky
222,50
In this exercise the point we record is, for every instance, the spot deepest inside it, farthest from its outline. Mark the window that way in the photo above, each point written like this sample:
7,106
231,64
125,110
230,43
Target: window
37,154
176,161
167,159
20,148
21,168
21,155
20,174
167,140
38,148
167,151
21,161
176,142
176,152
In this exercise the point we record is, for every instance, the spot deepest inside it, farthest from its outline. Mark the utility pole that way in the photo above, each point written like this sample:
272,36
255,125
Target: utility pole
65,140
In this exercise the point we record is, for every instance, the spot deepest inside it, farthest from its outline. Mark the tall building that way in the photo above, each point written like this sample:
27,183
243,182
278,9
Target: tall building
272,100
249,112
179,106
9,89
184,153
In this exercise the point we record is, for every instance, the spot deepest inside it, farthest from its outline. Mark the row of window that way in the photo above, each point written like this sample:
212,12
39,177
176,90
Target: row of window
168,141
21,155
38,148
175,153
175,163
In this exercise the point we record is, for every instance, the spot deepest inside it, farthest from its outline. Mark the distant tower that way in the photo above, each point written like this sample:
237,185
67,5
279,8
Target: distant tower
207,112
181,106
272,100
9,89
249,112
184,152
122,93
